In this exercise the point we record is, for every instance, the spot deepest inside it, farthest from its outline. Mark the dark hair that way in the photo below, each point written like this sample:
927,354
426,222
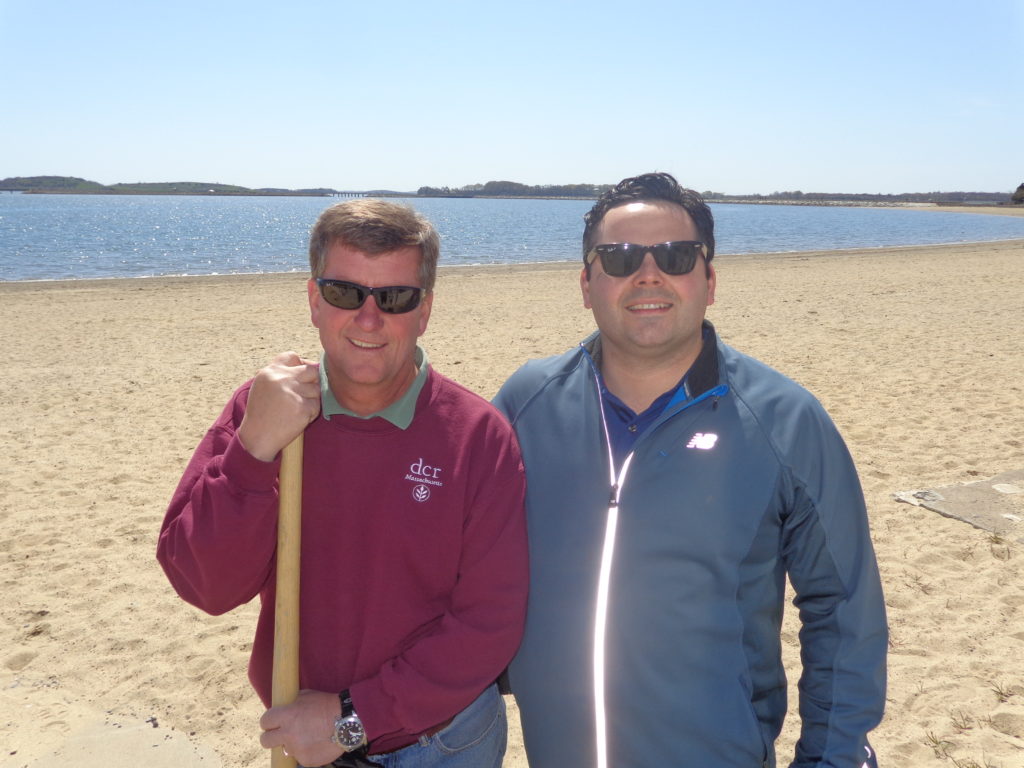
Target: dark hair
375,227
647,187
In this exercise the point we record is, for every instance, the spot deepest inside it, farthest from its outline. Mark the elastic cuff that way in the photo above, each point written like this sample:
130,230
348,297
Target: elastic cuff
246,471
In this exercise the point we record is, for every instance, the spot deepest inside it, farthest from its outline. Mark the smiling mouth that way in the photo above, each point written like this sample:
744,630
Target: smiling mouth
648,305
365,344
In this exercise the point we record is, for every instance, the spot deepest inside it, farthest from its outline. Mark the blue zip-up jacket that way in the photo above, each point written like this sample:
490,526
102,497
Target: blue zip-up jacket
657,588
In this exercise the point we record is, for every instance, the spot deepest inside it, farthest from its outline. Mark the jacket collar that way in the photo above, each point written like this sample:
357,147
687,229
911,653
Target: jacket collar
704,371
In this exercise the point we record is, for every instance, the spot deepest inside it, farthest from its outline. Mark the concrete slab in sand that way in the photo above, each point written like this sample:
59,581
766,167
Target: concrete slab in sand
42,725
995,505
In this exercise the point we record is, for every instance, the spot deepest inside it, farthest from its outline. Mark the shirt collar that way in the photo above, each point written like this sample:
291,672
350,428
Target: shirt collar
400,413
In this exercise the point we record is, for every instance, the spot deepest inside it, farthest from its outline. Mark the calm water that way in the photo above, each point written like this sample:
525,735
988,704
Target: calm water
46,237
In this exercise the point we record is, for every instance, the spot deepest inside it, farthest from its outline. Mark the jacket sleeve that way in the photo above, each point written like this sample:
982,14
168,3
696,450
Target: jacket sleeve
828,553
453,660
219,535
505,399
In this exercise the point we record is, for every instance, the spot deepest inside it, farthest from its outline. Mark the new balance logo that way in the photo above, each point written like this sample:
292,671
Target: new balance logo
705,441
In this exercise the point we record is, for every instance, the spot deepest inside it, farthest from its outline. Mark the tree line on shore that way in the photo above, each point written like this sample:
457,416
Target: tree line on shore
514,189
853,197
74,185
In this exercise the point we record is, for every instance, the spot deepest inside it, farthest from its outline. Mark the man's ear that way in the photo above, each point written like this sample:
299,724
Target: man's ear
426,304
314,302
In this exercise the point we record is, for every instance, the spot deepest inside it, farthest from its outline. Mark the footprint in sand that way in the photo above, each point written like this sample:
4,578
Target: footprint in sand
19,661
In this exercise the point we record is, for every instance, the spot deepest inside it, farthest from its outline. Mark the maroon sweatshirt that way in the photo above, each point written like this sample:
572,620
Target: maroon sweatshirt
414,561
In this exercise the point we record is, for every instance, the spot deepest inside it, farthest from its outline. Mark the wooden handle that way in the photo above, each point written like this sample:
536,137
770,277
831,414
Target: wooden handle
285,685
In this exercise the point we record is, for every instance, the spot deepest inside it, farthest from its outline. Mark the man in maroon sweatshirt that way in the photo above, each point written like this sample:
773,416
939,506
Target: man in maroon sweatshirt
414,559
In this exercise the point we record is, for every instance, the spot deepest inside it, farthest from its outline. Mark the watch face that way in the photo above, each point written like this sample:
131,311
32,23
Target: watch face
350,732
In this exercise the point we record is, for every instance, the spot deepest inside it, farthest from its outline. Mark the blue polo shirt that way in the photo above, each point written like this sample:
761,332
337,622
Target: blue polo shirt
625,425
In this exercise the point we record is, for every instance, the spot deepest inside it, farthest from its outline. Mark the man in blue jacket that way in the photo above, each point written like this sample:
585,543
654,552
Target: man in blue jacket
672,485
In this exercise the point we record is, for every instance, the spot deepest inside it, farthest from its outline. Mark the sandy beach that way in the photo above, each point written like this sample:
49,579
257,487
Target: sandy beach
996,210
918,354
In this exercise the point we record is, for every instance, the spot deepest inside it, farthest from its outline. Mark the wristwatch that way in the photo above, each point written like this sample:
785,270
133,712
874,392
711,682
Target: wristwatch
349,733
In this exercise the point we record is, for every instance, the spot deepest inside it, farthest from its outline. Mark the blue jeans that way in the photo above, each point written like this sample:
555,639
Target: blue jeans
475,738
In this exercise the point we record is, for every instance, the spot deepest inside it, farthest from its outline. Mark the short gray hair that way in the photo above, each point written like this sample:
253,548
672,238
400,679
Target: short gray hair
374,227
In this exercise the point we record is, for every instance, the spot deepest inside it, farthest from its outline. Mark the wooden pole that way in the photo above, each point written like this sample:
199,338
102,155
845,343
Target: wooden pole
285,686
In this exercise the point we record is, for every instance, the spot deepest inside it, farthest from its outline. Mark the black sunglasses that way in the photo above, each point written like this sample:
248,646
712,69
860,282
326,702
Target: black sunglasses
623,259
393,299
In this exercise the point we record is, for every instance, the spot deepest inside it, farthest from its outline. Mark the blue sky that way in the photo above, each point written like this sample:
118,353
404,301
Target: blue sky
735,97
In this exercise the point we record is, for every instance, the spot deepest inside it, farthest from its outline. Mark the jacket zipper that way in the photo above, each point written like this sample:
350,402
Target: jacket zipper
607,556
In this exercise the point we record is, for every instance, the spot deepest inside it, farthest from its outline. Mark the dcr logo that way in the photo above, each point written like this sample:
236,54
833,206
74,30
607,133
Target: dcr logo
424,470
421,492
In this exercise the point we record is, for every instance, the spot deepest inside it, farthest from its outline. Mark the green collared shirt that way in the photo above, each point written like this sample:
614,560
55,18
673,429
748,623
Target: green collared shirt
399,413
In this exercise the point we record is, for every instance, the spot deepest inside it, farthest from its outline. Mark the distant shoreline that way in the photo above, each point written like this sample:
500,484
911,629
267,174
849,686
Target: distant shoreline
498,190
1005,209
109,193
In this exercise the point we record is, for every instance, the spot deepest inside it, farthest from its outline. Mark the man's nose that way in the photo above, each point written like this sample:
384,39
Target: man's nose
369,315
649,271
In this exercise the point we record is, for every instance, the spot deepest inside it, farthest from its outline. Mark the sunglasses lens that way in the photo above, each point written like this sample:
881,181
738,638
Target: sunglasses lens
394,300
620,259
342,295
676,258
397,300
